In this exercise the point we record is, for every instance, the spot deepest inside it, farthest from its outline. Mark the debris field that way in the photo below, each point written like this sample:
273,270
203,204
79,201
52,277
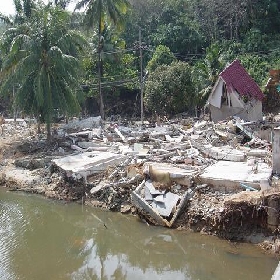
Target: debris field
184,173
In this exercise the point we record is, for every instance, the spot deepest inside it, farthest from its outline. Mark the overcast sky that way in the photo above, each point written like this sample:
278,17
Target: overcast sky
7,6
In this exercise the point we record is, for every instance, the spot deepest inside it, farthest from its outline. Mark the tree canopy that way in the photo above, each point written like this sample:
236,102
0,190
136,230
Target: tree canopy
197,38
41,61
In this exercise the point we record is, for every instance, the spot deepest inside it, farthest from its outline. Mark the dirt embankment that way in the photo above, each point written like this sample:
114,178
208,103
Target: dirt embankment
26,165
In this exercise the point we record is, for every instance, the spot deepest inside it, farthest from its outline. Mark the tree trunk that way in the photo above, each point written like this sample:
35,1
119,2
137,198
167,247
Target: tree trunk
38,125
49,135
49,111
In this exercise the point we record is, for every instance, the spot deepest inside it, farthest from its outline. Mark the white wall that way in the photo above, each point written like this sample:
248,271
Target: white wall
249,113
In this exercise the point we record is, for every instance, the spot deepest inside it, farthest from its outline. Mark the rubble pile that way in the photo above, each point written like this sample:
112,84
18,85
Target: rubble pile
181,173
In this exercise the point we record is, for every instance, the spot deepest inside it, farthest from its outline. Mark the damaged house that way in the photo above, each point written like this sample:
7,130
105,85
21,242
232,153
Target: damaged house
235,94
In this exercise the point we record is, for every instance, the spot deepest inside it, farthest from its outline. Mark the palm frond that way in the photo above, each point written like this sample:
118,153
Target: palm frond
82,4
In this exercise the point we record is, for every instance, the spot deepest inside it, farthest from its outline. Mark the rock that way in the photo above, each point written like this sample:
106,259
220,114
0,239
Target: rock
125,209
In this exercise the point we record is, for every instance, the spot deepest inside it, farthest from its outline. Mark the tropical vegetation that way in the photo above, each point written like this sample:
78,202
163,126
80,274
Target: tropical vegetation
176,48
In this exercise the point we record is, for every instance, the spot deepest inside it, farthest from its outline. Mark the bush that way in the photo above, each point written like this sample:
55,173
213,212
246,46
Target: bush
169,89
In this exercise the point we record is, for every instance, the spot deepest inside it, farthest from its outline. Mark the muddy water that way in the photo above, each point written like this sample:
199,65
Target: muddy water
43,239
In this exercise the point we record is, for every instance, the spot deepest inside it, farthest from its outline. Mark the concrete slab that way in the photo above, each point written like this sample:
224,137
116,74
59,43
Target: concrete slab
258,153
88,163
166,204
276,275
76,124
224,153
97,146
152,189
227,175
141,203
148,195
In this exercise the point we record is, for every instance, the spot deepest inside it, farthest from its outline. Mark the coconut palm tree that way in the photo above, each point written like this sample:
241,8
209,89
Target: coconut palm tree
102,12
42,61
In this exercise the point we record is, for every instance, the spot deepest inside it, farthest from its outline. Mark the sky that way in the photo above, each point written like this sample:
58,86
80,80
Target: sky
7,7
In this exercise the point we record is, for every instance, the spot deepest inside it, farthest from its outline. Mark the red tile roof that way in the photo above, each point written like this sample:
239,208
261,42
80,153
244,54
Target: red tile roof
235,76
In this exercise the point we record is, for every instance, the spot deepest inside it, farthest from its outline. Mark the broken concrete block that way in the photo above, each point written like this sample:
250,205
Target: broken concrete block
93,146
227,175
153,191
163,210
159,198
258,153
222,134
174,139
166,204
85,133
88,163
98,187
148,195
119,134
89,123
224,153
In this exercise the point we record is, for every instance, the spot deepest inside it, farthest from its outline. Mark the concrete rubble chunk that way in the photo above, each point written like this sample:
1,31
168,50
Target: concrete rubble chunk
166,204
174,139
224,153
170,205
258,152
93,146
153,191
159,198
78,125
119,134
148,195
88,163
227,175
98,187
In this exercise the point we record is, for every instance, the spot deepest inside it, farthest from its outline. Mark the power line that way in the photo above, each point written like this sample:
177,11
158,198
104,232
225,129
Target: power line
110,84
119,51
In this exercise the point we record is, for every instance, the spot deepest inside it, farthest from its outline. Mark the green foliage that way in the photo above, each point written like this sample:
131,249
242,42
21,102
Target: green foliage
177,29
257,66
255,41
42,62
207,34
161,56
169,89
205,72
101,13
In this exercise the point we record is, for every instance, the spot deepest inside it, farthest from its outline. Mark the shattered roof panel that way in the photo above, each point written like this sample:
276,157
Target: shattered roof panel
235,76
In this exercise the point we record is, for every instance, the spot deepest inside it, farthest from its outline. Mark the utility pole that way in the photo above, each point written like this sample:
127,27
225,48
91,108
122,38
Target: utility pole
100,47
99,84
141,75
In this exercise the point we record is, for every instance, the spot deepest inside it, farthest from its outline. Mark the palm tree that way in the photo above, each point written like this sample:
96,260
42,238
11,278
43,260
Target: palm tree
62,3
101,12
23,10
42,60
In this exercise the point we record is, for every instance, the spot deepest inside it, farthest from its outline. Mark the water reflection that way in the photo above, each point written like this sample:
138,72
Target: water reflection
51,240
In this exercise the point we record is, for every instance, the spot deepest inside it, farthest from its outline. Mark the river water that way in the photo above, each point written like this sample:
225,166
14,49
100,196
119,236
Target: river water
45,239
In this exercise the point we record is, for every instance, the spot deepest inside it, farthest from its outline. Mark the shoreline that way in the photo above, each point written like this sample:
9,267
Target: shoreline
27,165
